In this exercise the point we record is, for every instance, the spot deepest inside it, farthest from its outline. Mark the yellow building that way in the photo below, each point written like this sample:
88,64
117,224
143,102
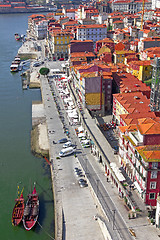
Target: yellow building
141,69
119,55
59,44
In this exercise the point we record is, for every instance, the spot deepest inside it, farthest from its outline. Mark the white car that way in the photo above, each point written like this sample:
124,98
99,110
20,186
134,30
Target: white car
67,144
85,143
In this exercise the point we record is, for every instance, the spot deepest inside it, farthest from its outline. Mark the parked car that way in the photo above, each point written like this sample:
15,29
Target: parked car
66,151
63,140
85,143
81,180
76,169
79,174
67,144
83,184
36,64
61,59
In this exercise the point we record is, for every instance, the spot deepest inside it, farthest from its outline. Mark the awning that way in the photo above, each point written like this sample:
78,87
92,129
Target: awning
80,135
117,172
138,187
80,129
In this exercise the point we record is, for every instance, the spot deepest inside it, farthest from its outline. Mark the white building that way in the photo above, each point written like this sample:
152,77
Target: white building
41,29
69,13
130,6
93,32
155,4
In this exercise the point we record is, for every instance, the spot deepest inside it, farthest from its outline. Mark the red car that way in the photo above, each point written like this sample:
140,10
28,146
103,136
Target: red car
61,59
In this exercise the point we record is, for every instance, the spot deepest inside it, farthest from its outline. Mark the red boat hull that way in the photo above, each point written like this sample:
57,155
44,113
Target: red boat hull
18,210
31,211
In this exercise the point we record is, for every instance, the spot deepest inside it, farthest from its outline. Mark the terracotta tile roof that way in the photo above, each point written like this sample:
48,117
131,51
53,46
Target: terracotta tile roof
140,63
149,128
92,11
70,23
134,118
132,128
118,21
149,39
150,153
71,10
76,41
82,54
36,16
134,102
129,83
124,51
92,26
119,46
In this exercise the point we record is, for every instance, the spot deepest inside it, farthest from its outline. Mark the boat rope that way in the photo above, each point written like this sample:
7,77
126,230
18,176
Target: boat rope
50,197
45,231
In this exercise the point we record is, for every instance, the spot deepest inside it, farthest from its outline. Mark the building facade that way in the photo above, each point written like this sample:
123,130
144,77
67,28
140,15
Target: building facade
59,44
93,32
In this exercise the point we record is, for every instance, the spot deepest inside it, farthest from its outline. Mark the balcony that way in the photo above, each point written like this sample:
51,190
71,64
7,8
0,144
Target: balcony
130,158
141,175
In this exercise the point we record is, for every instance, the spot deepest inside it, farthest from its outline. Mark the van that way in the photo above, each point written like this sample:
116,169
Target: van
66,151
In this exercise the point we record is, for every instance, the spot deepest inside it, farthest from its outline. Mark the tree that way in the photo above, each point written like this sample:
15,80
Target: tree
44,71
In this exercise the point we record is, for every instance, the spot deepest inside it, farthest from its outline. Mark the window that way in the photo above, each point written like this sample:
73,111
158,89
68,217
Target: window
152,196
154,174
152,185
155,165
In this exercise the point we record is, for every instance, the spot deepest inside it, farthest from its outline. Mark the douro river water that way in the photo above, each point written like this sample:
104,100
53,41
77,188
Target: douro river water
17,164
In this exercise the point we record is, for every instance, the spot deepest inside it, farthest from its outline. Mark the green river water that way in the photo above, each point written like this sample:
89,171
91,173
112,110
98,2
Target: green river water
17,164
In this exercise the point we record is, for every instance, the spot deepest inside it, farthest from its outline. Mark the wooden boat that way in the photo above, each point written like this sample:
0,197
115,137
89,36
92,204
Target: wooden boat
31,211
18,210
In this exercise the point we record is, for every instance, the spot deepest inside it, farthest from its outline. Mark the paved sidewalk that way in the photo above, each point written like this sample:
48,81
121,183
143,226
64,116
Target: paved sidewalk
74,206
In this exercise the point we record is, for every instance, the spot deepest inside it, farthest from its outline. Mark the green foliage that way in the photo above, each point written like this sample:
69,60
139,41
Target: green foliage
109,28
138,210
148,82
44,71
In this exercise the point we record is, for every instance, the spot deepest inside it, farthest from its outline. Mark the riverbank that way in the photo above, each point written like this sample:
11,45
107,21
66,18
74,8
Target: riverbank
39,141
10,10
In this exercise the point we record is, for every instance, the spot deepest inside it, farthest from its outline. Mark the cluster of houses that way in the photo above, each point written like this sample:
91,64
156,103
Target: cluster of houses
111,60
